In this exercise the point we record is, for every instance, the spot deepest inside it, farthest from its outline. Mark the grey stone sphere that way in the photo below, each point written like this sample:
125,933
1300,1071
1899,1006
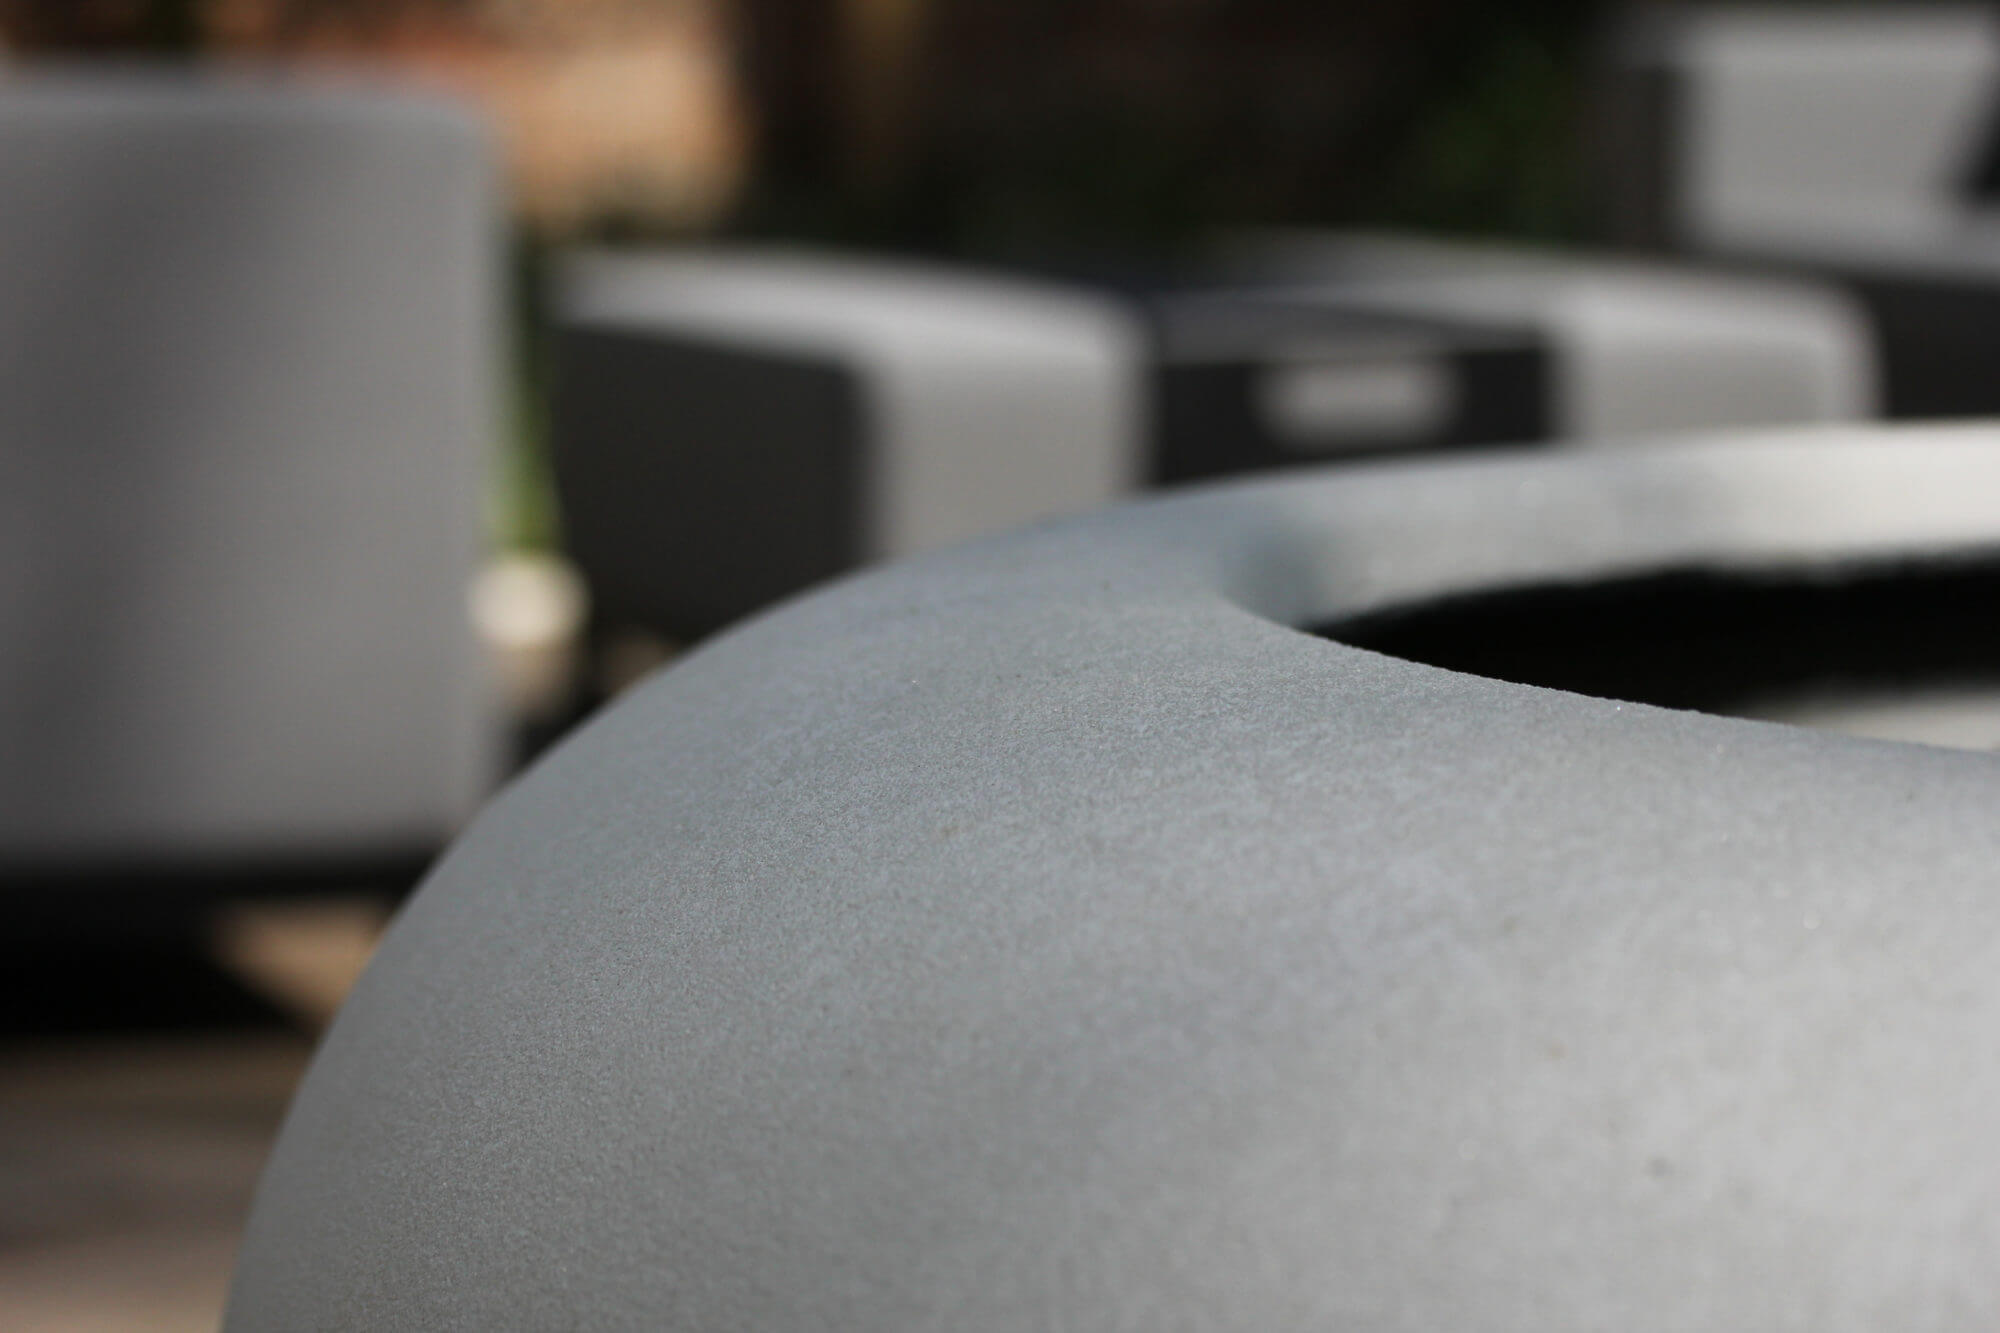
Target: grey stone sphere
1047,933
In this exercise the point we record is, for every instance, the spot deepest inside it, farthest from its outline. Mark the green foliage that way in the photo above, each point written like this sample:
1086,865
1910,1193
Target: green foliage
1495,153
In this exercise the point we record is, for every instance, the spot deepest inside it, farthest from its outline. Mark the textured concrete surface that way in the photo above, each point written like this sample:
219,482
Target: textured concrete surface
1047,934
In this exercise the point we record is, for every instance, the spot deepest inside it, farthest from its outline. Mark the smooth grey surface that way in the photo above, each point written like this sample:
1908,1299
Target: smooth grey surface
1045,934
988,401
1641,349
1815,130
246,395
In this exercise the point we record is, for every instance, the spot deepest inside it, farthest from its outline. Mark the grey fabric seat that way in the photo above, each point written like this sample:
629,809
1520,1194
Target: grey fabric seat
1854,143
1046,933
735,424
246,394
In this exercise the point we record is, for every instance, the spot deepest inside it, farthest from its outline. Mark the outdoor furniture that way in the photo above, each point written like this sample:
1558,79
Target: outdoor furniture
1858,144
247,360
734,425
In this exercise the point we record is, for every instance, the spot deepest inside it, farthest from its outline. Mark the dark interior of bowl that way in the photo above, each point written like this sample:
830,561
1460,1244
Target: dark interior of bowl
1905,652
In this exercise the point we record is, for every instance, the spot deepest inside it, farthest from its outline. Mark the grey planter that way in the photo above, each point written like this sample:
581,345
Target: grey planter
1047,934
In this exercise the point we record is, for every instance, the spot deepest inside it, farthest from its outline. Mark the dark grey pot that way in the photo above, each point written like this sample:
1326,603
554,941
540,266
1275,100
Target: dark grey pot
1047,934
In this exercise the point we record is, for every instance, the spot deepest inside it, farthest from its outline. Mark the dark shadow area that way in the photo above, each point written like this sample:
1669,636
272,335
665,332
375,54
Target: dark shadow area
127,951
138,894
75,979
1718,642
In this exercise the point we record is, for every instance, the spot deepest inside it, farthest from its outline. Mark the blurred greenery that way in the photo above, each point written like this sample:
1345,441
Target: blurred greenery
1497,156
523,513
